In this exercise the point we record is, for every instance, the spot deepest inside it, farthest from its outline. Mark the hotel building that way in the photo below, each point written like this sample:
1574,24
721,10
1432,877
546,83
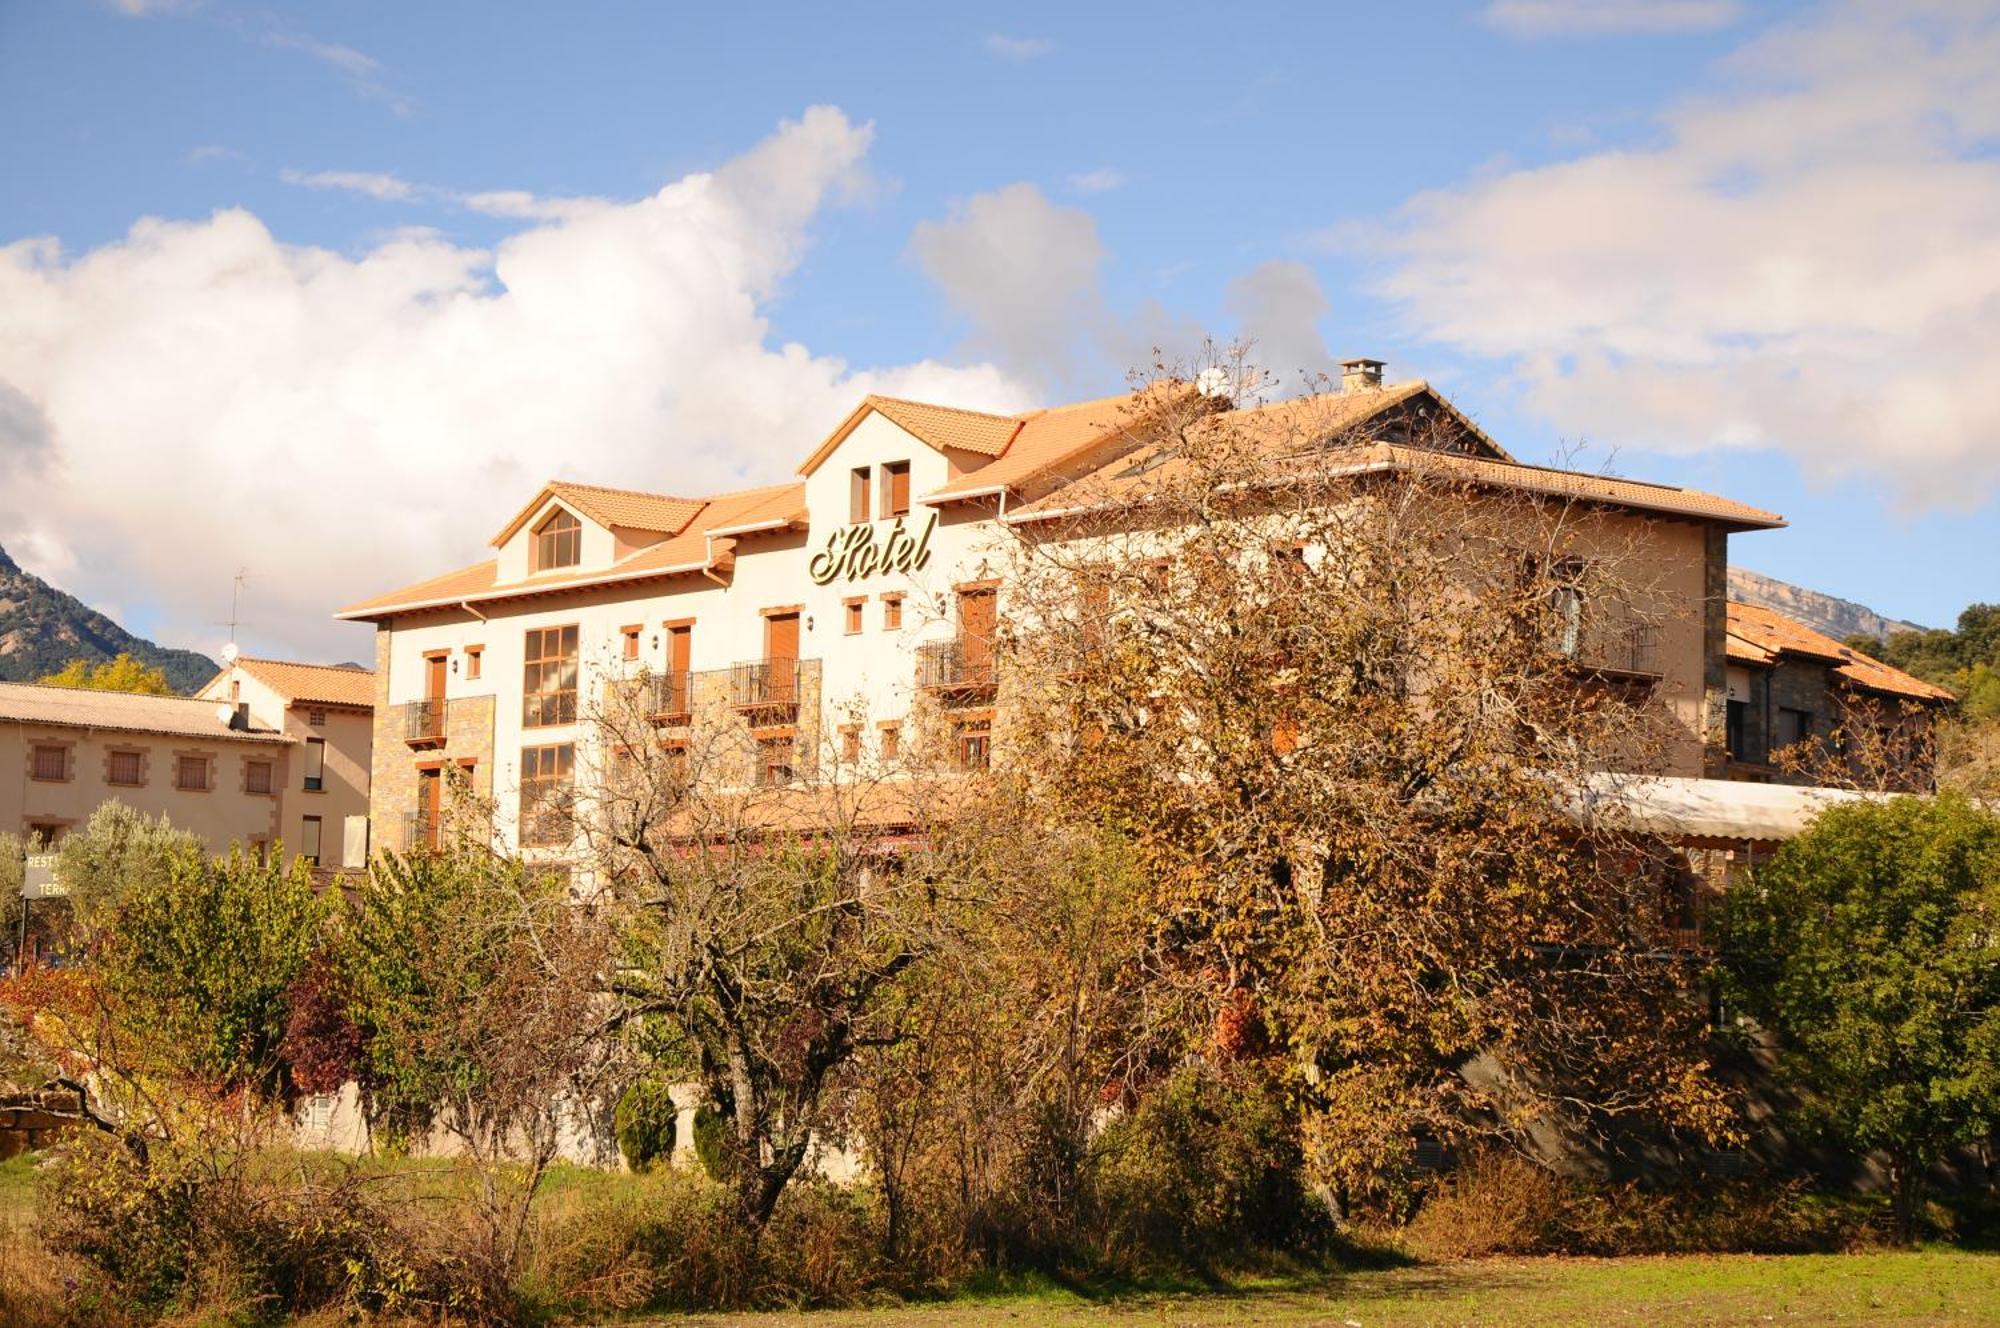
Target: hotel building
878,575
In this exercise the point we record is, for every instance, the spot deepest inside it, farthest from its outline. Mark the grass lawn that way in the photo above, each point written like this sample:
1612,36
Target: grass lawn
1925,1288
17,1191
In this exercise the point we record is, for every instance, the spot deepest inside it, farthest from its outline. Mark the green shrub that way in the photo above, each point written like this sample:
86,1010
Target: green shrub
714,1144
644,1123
1207,1166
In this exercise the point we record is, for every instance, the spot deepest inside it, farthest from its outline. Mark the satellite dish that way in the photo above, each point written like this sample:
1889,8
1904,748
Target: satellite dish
225,715
230,654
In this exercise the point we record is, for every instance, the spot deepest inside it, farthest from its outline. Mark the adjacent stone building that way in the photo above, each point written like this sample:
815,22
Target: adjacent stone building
1805,709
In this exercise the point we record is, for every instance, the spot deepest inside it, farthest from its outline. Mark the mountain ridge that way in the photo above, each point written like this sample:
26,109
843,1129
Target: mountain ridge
43,628
1836,617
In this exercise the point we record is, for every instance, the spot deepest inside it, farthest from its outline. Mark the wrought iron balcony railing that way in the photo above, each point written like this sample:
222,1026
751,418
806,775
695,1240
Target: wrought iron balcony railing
422,830
765,684
948,666
1633,651
424,722
667,696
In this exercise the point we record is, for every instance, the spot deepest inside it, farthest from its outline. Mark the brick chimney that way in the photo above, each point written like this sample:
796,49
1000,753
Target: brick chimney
1360,375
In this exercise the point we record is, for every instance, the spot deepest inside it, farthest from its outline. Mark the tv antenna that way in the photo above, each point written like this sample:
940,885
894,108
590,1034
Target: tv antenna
230,651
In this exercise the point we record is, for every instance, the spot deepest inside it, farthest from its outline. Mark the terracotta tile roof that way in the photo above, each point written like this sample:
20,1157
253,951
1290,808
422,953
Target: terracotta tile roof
940,427
1045,442
1758,635
610,507
313,684
948,426
1130,479
125,712
689,551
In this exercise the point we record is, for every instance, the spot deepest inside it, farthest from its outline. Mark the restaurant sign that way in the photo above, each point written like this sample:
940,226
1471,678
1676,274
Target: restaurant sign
852,554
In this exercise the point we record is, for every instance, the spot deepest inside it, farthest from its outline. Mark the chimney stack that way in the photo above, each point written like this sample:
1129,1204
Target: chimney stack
1361,374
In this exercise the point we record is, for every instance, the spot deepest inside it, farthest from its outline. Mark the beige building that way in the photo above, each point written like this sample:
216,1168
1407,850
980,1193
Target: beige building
328,712
269,753
869,584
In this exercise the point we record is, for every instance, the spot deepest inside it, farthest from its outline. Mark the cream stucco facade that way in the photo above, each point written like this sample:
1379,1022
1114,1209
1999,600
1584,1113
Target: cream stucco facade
722,569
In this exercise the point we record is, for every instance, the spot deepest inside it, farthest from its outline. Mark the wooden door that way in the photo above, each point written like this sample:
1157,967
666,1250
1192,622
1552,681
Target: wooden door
434,678
781,655
976,621
680,657
430,808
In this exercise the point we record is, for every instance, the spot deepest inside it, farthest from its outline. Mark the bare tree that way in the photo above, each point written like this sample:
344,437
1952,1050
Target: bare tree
774,893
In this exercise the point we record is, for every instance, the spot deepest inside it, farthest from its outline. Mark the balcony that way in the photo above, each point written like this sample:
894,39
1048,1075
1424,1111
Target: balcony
1630,653
768,688
422,831
666,698
424,722
951,669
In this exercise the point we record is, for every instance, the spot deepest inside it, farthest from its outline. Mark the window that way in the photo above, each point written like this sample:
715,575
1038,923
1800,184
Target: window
309,833
896,489
851,615
1565,600
45,834
972,744
191,773
892,612
472,657
629,637
892,741
316,718
256,776
315,765
260,849
1736,730
546,774
558,542
857,496
774,760
548,682
125,769
850,742
51,762
1794,726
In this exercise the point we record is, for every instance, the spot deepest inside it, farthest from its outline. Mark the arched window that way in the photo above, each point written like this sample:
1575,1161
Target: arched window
558,541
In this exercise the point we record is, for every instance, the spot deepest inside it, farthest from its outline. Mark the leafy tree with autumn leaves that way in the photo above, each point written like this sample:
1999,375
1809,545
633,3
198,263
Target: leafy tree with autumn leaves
1338,700
122,674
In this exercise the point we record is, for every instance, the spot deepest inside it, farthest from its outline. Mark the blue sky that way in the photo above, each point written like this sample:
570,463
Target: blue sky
1655,227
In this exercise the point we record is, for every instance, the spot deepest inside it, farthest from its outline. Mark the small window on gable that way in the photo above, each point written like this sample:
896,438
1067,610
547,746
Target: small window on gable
857,496
473,655
896,489
892,612
629,636
558,541
851,616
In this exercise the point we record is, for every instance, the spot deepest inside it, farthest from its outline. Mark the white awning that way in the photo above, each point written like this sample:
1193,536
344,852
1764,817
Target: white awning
1708,808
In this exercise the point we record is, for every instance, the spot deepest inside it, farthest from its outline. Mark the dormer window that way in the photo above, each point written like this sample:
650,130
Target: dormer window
558,541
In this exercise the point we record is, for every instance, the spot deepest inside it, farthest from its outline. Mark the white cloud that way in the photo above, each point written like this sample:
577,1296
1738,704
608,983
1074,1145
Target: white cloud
1018,48
1024,274
378,185
1278,307
364,73
210,397
386,187
1556,18
141,8
1100,181
1808,258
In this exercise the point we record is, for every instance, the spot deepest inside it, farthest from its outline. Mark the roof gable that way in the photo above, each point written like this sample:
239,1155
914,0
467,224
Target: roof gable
945,428
608,507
